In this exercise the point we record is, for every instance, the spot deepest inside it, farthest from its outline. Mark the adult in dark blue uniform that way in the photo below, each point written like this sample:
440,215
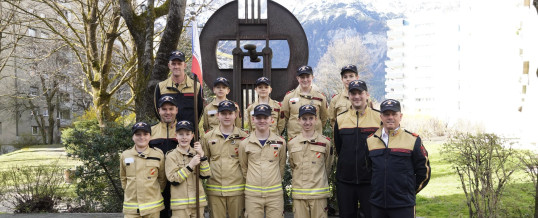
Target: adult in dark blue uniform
180,86
400,165
163,137
351,129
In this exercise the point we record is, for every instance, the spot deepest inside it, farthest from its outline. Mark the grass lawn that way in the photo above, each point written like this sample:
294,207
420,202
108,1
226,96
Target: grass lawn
36,156
443,197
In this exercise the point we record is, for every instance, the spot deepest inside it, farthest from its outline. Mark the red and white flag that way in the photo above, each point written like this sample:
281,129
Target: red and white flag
196,55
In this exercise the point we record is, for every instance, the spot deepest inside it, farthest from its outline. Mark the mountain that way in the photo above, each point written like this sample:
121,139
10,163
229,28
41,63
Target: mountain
324,21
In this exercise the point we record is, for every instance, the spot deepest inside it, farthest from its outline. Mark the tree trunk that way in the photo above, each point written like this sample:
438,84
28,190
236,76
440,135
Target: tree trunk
536,193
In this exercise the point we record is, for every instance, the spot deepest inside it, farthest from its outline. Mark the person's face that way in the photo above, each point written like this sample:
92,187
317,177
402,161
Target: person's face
358,98
307,121
141,138
221,90
391,119
262,122
347,77
263,90
168,112
305,80
226,118
184,137
177,67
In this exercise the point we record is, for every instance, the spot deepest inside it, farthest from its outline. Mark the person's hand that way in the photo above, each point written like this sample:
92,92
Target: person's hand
198,149
194,161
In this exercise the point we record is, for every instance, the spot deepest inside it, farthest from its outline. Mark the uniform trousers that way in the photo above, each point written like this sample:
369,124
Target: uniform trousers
272,207
153,215
401,212
349,196
310,208
234,206
187,213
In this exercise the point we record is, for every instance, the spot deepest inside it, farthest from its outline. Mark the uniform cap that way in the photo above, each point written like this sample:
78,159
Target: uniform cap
358,85
166,99
226,106
184,124
304,69
307,109
262,109
141,126
390,105
349,67
221,80
263,80
177,55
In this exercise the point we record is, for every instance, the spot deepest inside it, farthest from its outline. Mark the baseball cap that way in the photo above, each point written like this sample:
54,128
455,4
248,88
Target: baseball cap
390,104
226,106
221,80
304,69
262,109
358,85
177,55
141,126
263,80
166,99
349,67
184,124
307,109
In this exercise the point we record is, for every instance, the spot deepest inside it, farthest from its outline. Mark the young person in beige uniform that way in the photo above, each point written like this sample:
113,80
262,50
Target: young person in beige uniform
221,88
142,176
263,157
263,89
340,102
226,186
303,94
181,163
310,161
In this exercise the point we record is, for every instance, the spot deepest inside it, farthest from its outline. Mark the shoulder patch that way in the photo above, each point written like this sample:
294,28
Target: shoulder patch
371,135
279,104
334,95
412,133
327,138
290,91
290,139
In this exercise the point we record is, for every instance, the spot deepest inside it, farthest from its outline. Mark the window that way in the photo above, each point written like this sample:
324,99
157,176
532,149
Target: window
44,35
45,112
35,130
65,98
32,32
36,113
65,114
33,91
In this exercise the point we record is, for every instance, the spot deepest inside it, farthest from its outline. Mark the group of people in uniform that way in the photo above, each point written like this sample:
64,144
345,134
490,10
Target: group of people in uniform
380,166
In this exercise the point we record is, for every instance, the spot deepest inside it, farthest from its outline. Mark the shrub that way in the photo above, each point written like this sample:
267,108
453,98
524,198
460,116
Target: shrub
33,189
98,184
484,164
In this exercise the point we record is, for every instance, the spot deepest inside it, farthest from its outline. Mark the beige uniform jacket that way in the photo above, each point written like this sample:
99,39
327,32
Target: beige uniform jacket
290,106
279,121
339,104
183,179
142,179
263,166
223,153
310,162
210,119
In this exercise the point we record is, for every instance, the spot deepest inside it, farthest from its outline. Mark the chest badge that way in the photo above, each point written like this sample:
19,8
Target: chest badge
152,171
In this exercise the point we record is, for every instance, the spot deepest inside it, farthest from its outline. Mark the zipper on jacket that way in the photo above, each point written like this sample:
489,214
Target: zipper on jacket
385,170
356,148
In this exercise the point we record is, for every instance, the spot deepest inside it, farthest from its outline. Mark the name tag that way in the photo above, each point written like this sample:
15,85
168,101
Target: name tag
294,99
251,113
212,112
129,160
276,145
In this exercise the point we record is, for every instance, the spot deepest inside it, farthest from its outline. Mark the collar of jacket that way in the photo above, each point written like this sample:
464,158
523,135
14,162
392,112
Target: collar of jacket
345,93
235,133
354,112
187,82
135,152
272,138
314,139
391,133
